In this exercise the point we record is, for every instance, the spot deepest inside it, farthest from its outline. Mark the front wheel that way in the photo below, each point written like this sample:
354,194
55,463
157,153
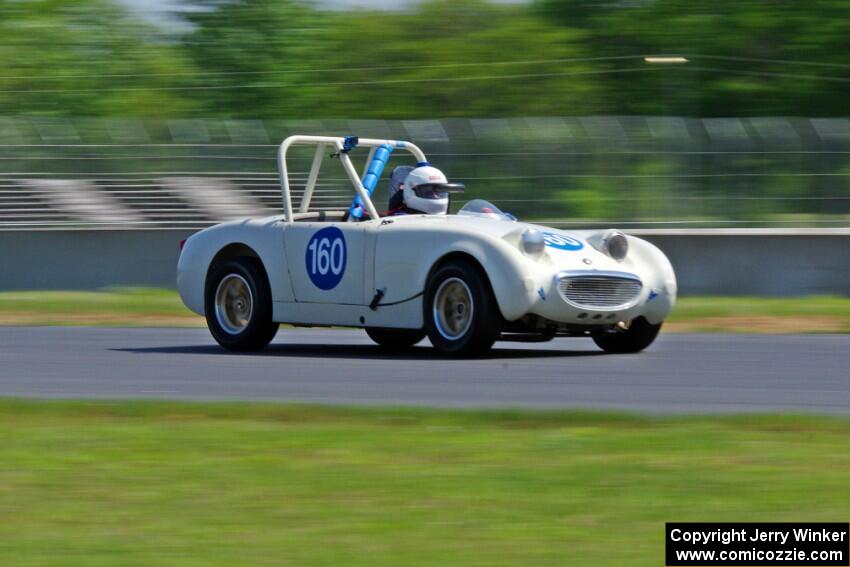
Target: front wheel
461,314
395,339
630,337
238,305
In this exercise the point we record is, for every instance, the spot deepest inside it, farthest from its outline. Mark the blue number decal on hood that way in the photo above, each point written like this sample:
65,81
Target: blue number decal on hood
326,257
562,241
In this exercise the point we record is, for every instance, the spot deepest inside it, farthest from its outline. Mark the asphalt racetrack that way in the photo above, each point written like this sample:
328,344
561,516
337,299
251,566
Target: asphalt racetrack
679,373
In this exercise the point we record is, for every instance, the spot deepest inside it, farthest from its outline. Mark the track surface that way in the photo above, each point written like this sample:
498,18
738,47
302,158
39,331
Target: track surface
680,373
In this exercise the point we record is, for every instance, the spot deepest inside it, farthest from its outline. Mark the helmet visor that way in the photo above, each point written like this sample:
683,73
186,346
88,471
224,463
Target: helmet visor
437,190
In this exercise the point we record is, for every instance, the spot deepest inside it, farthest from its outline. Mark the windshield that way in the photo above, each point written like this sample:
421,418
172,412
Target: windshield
482,208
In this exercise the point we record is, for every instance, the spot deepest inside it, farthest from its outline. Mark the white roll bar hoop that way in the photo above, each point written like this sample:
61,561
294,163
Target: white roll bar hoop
337,143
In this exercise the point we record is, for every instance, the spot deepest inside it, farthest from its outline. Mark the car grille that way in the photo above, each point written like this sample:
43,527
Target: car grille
599,291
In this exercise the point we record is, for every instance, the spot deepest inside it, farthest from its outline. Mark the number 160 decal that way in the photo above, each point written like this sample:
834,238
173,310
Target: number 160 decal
326,257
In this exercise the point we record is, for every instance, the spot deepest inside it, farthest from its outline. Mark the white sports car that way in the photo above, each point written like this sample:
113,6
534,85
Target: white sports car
465,280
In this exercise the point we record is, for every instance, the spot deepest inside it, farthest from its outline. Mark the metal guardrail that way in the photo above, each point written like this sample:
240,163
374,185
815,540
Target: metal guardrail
773,262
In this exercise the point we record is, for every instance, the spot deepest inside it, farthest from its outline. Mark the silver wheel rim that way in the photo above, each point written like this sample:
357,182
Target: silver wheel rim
234,304
453,308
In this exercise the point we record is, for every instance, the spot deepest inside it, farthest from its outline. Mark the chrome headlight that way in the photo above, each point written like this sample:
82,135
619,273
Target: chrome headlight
615,244
532,242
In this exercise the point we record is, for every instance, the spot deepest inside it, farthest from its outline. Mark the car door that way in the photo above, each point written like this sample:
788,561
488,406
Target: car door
400,254
326,261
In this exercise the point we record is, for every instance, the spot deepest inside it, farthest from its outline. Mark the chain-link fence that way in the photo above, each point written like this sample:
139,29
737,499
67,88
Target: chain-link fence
632,171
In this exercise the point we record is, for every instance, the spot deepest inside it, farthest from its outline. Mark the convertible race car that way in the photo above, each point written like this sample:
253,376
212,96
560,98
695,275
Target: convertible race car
463,280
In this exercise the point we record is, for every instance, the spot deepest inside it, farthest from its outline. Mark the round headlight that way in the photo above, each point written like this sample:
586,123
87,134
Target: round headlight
616,245
532,242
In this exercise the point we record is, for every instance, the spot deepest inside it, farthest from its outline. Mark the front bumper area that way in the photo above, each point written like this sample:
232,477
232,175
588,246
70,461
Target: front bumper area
599,297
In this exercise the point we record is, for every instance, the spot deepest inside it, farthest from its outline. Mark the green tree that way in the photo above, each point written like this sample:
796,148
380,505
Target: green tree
442,59
255,56
747,57
86,58
458,58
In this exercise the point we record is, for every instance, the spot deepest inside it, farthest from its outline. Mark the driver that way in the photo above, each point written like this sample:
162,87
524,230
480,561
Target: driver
425,190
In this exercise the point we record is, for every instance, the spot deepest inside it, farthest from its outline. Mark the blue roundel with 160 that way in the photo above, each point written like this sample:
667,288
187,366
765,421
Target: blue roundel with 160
326,257
562,241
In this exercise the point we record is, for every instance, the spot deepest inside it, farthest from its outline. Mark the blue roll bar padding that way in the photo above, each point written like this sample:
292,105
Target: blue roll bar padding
371,177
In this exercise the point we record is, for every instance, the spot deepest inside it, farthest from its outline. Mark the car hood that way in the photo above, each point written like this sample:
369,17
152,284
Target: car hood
497,228
566,249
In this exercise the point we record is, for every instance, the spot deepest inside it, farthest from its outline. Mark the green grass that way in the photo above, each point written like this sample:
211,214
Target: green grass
690,308
147,484
115,307
160,307
762,314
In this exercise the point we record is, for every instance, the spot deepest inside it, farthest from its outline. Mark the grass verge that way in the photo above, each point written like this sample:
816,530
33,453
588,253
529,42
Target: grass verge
816,314
163,308
134,307
140,484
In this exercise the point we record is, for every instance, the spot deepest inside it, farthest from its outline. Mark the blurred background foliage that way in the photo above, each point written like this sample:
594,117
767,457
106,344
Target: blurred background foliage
569,76
443,58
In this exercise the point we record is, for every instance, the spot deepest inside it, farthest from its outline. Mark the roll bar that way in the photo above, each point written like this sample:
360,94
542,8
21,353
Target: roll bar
341,146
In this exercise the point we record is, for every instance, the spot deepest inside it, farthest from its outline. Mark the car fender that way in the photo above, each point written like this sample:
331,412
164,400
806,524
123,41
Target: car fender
657,275
510,277
262,238
405,264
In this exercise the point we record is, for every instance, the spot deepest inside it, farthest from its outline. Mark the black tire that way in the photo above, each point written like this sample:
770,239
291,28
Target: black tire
233,328
640,334
395,339
484,320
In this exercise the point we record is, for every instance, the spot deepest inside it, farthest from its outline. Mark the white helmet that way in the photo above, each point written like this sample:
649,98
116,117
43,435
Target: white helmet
426,189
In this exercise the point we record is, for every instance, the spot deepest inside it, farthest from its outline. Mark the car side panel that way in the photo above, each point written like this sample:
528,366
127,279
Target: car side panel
406,315
330,254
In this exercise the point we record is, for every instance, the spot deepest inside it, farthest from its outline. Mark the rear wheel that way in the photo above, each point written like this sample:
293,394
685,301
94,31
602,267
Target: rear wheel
395,339
630,337
461,314
238,305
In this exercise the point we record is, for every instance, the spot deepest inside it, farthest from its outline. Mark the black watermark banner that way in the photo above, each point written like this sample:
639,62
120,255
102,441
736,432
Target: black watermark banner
762,545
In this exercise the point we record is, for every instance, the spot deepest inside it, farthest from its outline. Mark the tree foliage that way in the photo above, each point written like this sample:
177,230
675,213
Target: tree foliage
86,58
443,58
747,57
